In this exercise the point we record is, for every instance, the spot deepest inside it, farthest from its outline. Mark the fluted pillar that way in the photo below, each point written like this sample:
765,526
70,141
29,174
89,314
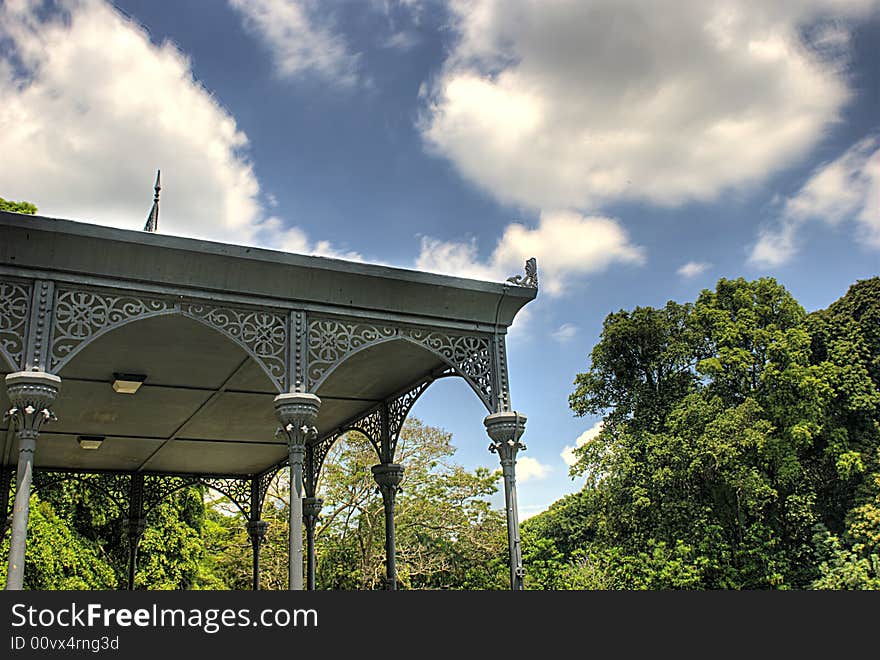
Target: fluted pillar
311,512
388,476
32,394
505,429
297,412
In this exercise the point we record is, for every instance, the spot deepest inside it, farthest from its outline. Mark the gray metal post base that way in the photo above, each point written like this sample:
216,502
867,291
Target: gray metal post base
388,476
311,512
31,394
505,429
256,530
297,412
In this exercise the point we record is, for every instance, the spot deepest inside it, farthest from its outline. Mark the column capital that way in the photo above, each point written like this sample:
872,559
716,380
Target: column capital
297,412
388,476
505,429
312,508
256,530
31,393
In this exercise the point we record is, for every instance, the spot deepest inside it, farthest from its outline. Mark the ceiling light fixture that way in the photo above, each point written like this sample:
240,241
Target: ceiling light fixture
90,441
127,383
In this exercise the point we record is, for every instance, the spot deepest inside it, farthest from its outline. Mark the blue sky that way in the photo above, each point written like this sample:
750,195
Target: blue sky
639,152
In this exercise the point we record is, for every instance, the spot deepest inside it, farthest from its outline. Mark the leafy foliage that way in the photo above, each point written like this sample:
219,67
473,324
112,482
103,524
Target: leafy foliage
17,207
738,450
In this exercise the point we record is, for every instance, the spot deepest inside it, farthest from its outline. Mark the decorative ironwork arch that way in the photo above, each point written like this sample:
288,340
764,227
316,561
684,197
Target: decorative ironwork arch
158,488
83,315
112,486
331,342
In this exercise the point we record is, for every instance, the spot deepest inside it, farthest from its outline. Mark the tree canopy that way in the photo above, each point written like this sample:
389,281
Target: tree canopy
739,446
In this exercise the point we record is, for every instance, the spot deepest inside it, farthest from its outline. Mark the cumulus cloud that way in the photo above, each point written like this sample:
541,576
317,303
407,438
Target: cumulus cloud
91,108
566,245
846,189
693,268
565,332
575,104
530,468
300,42
589,435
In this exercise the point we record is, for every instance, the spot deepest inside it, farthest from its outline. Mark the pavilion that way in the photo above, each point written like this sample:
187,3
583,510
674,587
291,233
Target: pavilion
164,362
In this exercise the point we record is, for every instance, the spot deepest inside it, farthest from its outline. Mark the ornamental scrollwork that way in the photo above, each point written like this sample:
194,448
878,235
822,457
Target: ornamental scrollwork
157,487
14,309
82,315
503,389
331,341
530,279
238,491
471,355
262,333
112,486
265,481
398,409
371,427
320,450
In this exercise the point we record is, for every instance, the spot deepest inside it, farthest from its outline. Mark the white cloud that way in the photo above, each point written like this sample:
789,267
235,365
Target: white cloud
575,104
299,42
566,245
564,332
91,108
530,468
693,268
590,434
846,189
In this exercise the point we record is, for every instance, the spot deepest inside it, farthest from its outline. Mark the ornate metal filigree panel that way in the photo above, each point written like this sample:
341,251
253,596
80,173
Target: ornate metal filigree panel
320,450
15,302
263,334
264,483
470,355
502,389
371,425
82,315
237,490
299,336
331,341
398,409
113,486
159,487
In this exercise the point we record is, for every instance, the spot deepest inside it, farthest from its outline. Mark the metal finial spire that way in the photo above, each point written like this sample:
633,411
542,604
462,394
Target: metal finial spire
153,219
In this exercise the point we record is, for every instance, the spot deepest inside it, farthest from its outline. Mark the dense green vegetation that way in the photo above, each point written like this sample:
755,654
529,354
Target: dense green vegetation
17,207
740,449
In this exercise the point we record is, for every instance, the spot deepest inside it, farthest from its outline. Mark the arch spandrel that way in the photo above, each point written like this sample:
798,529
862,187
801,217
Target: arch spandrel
332,342
81,316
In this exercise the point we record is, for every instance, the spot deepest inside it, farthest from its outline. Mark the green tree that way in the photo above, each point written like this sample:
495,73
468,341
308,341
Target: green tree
738,446
447,534
77,539
17,207
57,556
